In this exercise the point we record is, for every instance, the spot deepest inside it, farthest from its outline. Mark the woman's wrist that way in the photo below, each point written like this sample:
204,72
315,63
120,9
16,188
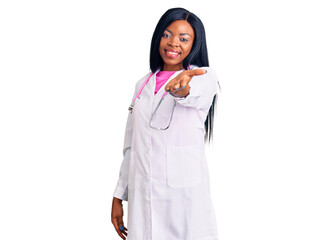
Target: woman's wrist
117,200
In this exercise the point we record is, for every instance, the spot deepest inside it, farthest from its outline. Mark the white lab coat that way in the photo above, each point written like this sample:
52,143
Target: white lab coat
164,175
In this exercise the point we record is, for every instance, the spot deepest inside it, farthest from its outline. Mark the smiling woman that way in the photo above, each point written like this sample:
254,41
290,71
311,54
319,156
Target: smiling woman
176,44
164,174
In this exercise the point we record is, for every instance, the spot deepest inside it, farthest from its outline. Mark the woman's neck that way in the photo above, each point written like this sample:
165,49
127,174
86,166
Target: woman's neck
172,67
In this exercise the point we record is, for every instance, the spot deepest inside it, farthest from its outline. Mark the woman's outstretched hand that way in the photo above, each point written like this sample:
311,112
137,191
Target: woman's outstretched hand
179,86
117,214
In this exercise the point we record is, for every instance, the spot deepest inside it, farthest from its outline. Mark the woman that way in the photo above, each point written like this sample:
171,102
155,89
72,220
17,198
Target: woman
164,175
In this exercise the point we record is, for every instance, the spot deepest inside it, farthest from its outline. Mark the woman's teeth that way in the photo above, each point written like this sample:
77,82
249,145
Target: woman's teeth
173,53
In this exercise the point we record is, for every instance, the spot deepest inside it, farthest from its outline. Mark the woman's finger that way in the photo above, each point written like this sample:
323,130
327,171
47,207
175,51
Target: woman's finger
178,82
182,83
122,227
116,226
195,72
167,87
171,86
176,86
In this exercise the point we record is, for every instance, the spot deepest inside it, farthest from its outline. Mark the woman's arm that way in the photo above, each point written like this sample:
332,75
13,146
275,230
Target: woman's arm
121,191
200,88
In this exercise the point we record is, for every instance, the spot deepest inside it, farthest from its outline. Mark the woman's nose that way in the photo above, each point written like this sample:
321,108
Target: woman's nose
174,41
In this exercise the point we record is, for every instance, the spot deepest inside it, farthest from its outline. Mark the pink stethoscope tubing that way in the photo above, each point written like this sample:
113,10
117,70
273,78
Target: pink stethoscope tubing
139,93
143,85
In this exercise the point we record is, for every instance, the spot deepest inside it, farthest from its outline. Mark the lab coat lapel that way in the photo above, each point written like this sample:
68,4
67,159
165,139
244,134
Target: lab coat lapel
161,91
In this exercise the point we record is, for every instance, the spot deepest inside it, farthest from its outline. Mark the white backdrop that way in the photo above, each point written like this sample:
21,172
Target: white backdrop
68,69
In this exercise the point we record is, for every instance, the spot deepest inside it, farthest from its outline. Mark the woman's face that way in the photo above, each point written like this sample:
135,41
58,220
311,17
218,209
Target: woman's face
176,43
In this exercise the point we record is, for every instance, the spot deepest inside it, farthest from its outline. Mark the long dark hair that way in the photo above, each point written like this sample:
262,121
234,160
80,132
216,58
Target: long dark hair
198,55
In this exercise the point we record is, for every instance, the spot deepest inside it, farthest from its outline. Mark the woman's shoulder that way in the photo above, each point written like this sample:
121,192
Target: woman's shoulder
139,82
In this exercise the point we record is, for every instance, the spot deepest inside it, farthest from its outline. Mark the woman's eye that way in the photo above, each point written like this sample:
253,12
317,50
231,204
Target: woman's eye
183,39
165,35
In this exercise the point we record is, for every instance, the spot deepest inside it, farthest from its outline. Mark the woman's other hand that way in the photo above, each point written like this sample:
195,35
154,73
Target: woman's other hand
117,214
179,86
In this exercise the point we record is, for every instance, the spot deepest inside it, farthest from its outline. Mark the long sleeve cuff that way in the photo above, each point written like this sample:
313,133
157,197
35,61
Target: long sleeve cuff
121,192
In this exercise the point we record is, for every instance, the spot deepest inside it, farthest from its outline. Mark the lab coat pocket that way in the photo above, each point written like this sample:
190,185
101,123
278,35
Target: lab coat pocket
184,165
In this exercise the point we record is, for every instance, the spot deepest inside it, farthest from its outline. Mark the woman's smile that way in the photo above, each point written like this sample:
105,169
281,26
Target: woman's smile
171,53
176,44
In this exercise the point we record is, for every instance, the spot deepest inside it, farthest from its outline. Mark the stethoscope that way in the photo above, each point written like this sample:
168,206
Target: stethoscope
162,98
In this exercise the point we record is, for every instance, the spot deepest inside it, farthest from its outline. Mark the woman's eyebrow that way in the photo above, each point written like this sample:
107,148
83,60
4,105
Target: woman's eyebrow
185,34
179,34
